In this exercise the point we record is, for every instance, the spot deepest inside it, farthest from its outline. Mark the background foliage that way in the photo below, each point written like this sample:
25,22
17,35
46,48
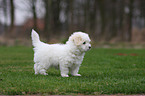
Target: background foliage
104,20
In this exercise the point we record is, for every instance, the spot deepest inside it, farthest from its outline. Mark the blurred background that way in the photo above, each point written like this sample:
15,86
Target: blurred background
109,21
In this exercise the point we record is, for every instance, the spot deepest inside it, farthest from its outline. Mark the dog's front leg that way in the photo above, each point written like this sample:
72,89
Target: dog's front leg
74,70
64,71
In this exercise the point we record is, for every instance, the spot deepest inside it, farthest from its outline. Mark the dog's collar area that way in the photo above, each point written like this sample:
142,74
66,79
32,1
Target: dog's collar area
76,52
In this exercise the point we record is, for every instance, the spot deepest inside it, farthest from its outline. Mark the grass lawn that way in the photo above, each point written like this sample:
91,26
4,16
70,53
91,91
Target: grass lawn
104,71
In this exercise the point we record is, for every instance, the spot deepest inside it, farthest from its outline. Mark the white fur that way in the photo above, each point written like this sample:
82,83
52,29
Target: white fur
68,57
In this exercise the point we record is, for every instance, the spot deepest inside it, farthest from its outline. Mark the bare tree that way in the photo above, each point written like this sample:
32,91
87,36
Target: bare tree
47,18
93,17
121,18
129,17
113,17
55,16
71,15
34,13
102,16
12,11
4,2
102,19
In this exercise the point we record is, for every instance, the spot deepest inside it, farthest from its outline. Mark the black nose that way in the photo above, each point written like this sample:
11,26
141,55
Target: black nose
89,47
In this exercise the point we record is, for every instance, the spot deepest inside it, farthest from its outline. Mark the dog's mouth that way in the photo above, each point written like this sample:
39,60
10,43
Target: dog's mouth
88,49
84,49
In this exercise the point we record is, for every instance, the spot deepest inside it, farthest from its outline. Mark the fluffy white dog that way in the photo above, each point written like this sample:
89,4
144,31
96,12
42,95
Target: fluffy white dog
67,56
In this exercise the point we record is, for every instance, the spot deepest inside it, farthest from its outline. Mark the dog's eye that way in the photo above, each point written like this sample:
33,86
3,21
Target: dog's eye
84,42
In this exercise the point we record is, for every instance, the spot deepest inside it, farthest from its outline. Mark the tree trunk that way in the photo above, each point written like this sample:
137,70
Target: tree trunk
55,16
34,13
121,16
5,14
130,16
71,9
102,15
12,14
113,16
47,24
93,19
10,32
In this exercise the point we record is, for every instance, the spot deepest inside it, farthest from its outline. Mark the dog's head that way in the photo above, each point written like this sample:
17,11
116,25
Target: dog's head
81,40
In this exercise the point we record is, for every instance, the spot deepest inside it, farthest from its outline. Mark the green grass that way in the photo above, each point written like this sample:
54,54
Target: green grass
103,72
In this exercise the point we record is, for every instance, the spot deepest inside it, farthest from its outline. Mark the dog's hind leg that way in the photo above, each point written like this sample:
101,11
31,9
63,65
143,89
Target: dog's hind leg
43,72
39,69
36,69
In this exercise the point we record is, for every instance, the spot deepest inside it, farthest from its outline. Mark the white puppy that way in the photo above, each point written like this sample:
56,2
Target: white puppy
67,56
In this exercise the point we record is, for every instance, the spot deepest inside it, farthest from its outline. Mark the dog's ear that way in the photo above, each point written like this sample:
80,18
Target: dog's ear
77,40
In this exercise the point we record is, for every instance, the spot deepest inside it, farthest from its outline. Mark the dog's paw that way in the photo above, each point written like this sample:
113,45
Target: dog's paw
43,73
76,74
36,73
64,75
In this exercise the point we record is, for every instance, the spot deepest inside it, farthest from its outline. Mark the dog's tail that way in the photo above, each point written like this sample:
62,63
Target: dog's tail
35,38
